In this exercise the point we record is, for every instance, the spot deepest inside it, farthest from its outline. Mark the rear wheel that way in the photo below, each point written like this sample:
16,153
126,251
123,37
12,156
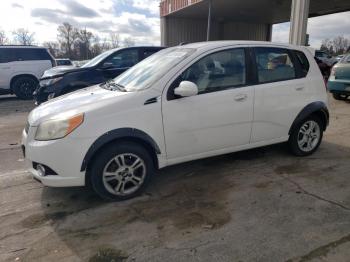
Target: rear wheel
24,86
306,136
121,171
339,97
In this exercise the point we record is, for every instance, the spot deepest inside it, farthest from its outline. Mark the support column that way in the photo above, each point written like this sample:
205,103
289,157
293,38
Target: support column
209,21
298,22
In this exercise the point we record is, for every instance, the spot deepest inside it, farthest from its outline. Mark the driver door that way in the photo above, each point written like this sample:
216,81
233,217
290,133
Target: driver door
219,118
119,62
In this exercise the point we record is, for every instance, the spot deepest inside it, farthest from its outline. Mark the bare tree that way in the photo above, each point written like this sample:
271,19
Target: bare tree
336,46
340,44
23,36
53,48
129,42
115,39
3,38
67,36
85,37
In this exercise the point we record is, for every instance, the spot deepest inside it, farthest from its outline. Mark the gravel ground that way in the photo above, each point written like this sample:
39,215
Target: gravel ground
257,205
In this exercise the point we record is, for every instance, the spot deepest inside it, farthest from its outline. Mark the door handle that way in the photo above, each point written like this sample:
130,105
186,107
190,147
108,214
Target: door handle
241,97
299,88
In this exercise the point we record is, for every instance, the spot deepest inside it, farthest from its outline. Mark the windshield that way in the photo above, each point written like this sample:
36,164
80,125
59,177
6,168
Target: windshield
345,60
145,73
98,59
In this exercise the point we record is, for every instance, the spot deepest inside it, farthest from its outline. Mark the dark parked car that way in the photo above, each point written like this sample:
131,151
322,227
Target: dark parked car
64,79
63,62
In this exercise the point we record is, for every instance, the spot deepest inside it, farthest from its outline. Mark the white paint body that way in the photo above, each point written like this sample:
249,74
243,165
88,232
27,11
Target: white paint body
184,129
12,69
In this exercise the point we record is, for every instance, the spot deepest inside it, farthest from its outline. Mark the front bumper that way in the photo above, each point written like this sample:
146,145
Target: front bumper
64,156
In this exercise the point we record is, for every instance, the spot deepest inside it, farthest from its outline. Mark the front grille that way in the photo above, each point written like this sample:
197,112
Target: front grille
26,128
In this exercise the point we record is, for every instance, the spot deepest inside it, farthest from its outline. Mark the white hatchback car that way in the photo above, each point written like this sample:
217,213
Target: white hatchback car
183,103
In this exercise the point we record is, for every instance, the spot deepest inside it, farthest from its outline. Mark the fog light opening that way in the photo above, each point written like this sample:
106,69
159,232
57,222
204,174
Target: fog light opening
41,170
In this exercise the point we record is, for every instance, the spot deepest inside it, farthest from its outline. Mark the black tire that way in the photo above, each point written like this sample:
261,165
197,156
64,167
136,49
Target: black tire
295,136
104,159
337,96
24,86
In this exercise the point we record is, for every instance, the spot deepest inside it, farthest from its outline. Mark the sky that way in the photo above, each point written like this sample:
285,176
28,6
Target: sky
138,19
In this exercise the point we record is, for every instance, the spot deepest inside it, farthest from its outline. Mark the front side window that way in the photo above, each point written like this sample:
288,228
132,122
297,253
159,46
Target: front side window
218,71
123,59
274,64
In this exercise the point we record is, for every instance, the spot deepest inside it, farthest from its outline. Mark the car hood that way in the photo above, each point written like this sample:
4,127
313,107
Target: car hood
71,104
61,70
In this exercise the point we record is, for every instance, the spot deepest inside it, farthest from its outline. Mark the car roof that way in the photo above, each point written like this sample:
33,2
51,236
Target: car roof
218,44
22,46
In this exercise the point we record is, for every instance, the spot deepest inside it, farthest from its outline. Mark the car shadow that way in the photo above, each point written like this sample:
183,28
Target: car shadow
181,199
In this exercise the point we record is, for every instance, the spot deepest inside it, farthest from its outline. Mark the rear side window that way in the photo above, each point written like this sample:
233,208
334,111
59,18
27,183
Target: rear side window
30,54
274,64
304,63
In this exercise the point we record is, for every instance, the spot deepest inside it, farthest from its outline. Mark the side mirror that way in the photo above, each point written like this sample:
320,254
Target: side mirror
107,65
329,56
186,88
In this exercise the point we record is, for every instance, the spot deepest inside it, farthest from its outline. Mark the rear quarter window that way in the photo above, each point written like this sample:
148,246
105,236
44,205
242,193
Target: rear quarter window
303,62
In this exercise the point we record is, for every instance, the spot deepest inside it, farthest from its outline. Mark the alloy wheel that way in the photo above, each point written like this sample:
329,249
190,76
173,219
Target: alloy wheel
309,136
124,174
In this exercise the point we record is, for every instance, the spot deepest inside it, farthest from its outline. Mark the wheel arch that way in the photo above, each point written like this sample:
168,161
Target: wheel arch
318,108
122,134
13,79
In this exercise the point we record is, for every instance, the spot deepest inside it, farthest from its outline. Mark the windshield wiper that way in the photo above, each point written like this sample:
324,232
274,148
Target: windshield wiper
111,85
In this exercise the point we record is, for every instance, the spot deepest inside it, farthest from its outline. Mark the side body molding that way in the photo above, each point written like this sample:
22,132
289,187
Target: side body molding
310,109
118,134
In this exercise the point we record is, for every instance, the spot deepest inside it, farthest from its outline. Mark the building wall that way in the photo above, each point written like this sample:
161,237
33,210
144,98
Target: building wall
179,30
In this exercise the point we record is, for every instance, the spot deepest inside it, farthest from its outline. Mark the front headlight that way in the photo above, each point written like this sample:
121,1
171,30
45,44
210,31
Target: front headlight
47,82
58,128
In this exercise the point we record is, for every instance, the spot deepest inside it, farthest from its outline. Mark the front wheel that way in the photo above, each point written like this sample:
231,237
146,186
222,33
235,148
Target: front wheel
121,171
306,136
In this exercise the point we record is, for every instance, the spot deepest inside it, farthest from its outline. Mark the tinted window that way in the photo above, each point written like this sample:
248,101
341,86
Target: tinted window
4,55
125,58
274,64
149,52
218,71
304,63
30,54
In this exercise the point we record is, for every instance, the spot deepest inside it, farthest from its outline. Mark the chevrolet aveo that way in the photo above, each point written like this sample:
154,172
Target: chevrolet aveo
183,103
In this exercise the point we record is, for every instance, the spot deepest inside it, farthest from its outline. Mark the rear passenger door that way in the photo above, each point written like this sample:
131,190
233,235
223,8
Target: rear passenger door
281,91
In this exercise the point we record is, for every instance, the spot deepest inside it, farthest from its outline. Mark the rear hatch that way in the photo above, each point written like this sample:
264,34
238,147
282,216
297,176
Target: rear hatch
342,72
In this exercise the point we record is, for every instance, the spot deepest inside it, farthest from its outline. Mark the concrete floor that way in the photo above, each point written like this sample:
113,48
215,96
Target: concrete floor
257,205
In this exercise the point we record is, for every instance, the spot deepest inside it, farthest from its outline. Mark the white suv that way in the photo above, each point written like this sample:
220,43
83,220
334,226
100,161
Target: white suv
21,67
183,103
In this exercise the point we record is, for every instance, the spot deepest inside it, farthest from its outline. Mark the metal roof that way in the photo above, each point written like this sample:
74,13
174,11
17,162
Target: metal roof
261,11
